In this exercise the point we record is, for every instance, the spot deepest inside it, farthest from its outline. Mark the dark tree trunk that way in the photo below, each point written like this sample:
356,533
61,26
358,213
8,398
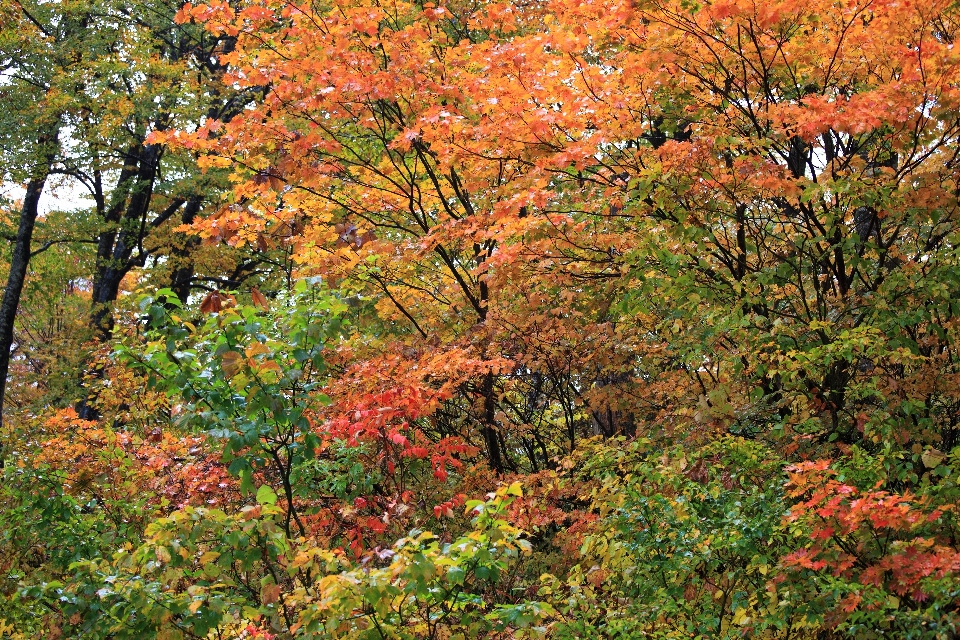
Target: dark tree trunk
182,277
124,234
490,435
609,421
19,261
120,247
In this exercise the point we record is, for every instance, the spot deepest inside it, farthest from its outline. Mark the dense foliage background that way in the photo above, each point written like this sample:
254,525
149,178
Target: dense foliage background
533,319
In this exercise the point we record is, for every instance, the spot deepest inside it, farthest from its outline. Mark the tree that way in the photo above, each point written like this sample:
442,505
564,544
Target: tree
110,73
32,56
364,160
151,74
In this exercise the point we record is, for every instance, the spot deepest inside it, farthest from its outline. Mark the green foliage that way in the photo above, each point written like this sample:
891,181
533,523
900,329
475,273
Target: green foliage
684,544
51,519
196,569
720,543
249,376
201,569
426,588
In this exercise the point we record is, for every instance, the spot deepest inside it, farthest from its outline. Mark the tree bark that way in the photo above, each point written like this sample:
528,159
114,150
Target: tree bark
19,262
117,243
182,277
489,428
126,227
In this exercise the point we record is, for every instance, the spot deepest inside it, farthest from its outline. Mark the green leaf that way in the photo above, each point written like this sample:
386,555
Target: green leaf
246,480
456,575
266,495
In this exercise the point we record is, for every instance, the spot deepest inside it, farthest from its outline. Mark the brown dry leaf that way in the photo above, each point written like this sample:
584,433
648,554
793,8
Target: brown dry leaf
270,593
232,361
212,303
259,299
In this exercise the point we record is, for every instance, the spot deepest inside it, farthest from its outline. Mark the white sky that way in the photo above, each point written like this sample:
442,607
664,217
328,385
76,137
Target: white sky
58,194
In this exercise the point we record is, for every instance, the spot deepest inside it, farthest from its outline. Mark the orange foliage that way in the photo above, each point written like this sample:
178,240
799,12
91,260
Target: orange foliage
114,467
875,537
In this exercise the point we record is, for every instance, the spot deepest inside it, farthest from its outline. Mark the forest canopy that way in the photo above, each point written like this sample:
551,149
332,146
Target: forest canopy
474,319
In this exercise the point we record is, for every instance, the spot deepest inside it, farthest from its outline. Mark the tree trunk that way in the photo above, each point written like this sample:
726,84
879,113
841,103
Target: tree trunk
182,277
117,243
127,226
18,274
489,429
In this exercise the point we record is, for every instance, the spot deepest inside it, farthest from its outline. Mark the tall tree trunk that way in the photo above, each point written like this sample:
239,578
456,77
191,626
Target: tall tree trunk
182,276
126,227
19,261
117,243
489,428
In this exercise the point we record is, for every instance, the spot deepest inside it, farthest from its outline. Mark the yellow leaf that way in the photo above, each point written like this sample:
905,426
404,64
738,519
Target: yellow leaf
256,349
932,458
740,617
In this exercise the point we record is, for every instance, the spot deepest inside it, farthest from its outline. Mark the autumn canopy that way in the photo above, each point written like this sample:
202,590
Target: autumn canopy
532,319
